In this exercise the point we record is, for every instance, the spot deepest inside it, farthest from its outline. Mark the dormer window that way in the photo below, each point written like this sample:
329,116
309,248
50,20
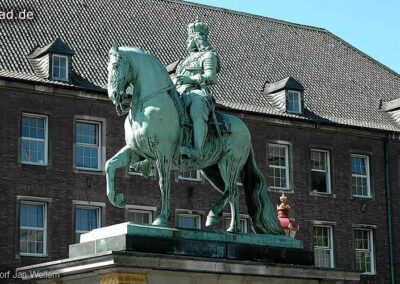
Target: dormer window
53,61
285,95
391,109
293,101
60,67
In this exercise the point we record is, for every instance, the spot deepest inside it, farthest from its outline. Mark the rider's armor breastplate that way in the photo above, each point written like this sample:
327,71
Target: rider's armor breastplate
197,63
191,65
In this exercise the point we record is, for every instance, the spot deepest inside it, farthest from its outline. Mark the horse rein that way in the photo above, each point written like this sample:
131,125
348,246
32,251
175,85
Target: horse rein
122,111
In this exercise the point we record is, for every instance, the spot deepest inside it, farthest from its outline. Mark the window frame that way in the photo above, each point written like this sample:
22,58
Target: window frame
299,110
66,67
183,214
45,229
151,209
328,172
330,248
287,165
243,218
99,133
197,179
150,214
131,172
371,251
46,140
99,218
368,175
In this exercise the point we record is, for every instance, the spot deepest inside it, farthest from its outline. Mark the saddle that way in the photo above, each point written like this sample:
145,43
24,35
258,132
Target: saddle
182,104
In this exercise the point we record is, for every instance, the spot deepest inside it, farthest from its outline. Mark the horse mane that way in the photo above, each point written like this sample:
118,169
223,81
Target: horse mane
146,58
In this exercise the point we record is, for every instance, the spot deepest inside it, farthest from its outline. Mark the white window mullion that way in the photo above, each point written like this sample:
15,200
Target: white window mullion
322,166
25,251
358,189
364,256
87,221
287,167
275,153
293,99
134,214
243,224
26,137
323,252
87,145
183,218
57,67
188,175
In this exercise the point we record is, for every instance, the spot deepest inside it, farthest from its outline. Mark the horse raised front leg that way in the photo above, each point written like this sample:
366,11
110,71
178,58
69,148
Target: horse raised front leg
164,171
123,158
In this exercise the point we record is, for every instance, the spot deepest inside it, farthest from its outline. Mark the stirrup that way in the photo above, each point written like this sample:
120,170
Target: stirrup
191,153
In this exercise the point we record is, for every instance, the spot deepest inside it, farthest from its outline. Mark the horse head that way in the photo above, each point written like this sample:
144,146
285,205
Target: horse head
119,77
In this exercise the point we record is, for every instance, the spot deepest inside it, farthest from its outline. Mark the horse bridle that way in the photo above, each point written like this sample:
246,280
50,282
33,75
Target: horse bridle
120,108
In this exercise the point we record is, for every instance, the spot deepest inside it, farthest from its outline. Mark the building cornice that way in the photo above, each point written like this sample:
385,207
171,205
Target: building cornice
83,94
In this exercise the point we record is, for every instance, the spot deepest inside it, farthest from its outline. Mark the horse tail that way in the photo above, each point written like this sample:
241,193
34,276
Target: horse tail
261,211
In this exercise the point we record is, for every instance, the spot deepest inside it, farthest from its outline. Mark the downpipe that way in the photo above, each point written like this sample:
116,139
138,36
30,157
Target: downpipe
389,210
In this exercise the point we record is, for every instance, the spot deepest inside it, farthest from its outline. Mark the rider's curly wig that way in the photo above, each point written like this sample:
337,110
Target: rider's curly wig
202,44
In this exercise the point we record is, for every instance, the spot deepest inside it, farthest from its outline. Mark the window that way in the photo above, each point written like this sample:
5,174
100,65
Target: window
320,171
60,67
188,221
360,182
88,145
86,219
278,163
323,246
293,100
140,216
364,250
34,139
243,224
193,175
152,173
33,228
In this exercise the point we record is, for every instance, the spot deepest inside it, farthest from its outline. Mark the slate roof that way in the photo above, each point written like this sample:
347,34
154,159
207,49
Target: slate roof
341,84
286,83
57,46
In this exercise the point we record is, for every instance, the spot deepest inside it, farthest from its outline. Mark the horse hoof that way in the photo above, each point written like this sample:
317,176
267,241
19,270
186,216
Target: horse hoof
160,222
212,219
233,230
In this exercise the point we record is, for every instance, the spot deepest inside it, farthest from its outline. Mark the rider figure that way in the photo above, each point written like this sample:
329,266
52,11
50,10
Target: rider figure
193,74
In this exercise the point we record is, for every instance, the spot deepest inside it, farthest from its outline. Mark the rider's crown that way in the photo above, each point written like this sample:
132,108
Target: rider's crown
198,27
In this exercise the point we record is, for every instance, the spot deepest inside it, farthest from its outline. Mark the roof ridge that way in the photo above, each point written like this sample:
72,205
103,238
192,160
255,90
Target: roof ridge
186,2
307,27
362,53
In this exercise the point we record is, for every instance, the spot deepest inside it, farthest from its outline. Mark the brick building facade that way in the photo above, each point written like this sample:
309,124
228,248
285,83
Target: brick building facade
335,164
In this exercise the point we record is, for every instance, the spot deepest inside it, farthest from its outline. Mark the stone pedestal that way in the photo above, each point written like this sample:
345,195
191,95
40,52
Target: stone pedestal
123,278
128,253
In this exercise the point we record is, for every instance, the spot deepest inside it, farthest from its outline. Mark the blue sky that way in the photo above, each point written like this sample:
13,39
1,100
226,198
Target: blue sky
372,26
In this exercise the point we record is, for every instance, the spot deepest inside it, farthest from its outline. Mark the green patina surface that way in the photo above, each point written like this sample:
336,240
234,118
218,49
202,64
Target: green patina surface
201,235
148,239
155,132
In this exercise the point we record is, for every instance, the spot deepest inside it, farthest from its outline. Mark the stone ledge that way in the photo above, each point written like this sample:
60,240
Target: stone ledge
190,234
128,262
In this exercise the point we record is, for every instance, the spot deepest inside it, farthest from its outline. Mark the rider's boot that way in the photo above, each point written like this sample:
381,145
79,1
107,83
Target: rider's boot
199,137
